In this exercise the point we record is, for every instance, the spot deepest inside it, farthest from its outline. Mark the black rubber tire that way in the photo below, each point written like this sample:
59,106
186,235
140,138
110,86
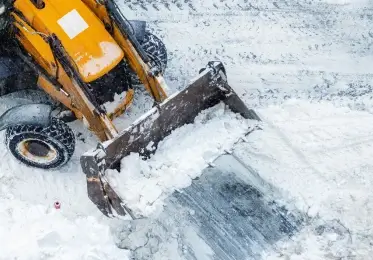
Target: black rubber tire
58,135
156,51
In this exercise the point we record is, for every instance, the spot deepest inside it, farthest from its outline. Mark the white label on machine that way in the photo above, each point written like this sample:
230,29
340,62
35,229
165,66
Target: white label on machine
73,24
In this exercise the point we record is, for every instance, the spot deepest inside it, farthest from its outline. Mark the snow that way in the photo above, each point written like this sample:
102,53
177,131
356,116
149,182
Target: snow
36,230
315,148
318,156
180,157
118,99
31,228
31,231
321,145
325,240
347,2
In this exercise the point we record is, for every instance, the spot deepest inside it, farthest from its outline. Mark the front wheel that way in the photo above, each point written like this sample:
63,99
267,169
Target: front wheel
157,53
41,147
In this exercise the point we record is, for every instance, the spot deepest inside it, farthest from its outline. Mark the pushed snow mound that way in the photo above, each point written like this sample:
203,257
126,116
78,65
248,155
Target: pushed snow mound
180,157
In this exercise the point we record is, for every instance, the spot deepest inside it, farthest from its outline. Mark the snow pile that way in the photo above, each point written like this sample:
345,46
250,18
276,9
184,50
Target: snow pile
319,156
179,159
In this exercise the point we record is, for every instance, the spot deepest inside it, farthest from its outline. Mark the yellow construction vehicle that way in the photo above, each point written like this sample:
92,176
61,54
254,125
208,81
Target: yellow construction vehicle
80,53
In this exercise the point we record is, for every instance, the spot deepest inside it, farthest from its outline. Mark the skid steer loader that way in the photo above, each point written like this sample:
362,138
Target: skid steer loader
72,57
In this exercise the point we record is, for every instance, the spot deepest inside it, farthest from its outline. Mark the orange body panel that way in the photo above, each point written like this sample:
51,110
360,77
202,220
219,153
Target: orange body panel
81,32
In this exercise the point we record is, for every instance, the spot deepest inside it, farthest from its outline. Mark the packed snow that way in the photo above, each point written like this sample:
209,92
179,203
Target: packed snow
315,148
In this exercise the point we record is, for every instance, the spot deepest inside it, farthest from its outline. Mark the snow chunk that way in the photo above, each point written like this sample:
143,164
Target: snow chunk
118,99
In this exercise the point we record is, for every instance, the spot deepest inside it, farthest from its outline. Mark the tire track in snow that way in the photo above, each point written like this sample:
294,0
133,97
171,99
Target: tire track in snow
272,50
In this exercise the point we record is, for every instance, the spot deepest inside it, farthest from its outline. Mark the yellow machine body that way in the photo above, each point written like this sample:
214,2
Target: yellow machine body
81,32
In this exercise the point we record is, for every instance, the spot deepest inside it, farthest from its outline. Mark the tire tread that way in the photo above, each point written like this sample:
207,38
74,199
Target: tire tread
57,130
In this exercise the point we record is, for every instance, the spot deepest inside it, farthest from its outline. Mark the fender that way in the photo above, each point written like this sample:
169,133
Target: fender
25,107
29,114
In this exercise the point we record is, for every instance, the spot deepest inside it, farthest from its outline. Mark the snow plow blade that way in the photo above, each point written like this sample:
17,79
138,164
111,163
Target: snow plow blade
143,136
